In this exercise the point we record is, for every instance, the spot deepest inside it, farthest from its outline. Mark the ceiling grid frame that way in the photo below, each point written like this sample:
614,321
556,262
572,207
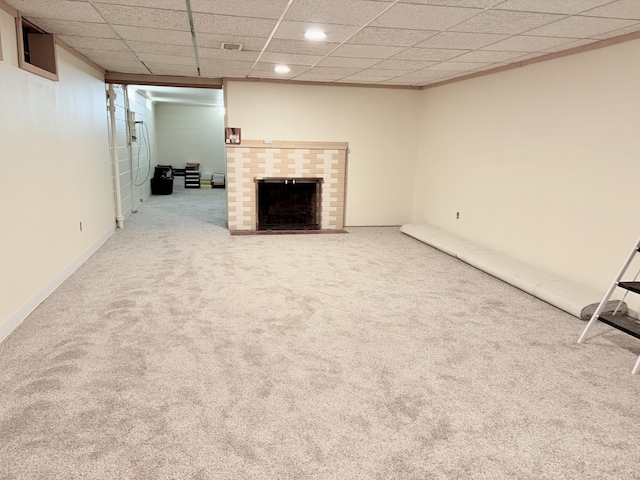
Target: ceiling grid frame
393,43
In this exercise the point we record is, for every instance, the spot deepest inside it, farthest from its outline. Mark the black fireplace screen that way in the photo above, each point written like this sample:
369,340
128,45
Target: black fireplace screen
289,203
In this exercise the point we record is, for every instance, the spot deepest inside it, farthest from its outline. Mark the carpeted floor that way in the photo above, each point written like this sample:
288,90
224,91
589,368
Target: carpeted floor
180,352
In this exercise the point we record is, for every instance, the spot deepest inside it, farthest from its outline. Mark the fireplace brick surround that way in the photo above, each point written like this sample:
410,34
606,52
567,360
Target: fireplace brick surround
253,160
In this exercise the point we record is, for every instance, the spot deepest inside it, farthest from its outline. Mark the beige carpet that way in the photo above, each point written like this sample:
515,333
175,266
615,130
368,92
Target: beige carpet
178,351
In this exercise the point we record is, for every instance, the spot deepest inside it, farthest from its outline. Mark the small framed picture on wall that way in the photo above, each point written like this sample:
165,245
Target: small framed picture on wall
232,135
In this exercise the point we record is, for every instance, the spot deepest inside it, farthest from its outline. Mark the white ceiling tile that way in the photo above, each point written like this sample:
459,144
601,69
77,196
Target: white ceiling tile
221,24
493,66
386,72
423,17
235,64
390,36
99,56
144,17
150,47
457,3
568,46
316,77
340,12
580,27
148,58
526,56
171,37
427,74
268,74
629,9
123,66
463,41
527,43
219,53
506,22
348,62
399,81
343,72
290,58
164,4
69,28
58,9
170,69
301,47
363,79
243,8
366,51
267,70
616,33
488,56
216,65
442,74
295,30
218,72
209,40
404,64
95,43
424,76
429,54
551,6
456,66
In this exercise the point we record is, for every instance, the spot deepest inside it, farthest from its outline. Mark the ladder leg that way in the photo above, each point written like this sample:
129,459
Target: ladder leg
636,367
585,332
596,314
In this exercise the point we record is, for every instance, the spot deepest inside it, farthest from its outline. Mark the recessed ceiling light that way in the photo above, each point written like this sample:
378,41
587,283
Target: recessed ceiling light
315,35
282,69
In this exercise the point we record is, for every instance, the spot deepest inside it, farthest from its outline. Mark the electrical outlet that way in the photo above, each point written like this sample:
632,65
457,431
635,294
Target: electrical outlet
457,215
80,226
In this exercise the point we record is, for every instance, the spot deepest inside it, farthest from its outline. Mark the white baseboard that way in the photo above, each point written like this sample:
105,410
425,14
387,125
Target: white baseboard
23,312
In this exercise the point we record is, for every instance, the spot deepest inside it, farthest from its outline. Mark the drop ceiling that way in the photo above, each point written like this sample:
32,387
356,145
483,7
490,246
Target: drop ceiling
380,42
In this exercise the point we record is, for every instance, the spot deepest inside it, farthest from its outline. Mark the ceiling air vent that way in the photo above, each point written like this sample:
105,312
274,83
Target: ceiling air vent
231,46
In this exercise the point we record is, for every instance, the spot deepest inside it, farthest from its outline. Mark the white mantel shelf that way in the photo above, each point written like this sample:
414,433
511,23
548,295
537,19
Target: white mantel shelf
285,144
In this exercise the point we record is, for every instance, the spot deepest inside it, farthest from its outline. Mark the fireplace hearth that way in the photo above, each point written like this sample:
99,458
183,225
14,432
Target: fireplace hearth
288,203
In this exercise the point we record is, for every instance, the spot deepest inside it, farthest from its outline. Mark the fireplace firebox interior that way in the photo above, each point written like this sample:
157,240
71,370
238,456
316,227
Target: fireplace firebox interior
289,203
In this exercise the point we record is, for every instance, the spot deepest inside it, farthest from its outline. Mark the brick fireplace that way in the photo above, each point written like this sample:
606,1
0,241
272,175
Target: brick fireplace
254,161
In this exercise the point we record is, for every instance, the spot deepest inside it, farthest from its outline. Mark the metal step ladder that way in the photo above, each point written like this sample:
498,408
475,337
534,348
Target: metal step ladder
622,322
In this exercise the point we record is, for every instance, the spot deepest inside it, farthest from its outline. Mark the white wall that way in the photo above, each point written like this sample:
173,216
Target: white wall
191,133
379,124
542,162
55,164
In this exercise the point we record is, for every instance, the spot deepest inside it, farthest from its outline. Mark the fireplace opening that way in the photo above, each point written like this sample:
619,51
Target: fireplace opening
288,203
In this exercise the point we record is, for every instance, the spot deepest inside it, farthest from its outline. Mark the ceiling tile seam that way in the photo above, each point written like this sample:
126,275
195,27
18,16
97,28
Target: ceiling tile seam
354,34
193,36
273,32
119,36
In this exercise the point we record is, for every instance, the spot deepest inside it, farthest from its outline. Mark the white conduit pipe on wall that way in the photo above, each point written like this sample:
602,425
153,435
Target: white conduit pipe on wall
116,160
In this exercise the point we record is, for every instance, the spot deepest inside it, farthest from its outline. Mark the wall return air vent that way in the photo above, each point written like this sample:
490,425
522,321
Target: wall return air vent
231,46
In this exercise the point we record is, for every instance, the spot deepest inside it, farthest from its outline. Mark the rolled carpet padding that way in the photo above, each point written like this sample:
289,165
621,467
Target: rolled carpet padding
572,297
